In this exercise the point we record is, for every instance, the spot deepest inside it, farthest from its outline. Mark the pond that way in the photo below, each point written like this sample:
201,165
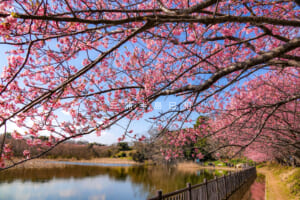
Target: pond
87,181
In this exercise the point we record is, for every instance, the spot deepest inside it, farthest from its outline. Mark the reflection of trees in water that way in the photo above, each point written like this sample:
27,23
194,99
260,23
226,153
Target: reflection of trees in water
253,189
69,171
257,189
167,179
149,178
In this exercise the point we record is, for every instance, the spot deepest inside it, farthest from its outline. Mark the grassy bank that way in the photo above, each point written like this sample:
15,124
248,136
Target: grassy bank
193,167
42,163
282,183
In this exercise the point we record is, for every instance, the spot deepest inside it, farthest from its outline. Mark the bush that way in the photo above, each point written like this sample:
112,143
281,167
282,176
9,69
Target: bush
138,157
123,154
64,150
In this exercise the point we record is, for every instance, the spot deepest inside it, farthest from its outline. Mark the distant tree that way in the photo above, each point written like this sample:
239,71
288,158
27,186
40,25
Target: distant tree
43,138
123,146
138,157
194,145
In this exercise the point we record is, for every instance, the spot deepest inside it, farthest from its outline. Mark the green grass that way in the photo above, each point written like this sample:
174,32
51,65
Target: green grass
124,155
260,166
294,180
233,161
279,169
241,160
260,178
219,163
216,163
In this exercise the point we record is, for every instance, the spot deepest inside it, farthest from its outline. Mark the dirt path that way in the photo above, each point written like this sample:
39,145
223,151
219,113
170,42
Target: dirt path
275,188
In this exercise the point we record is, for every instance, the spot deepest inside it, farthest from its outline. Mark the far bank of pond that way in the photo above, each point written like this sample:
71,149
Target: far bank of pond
83,180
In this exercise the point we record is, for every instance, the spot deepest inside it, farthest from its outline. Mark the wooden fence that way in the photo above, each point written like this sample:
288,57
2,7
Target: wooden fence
216,189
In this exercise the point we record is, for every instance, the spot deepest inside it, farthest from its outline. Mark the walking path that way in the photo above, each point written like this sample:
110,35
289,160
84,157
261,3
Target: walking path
275,188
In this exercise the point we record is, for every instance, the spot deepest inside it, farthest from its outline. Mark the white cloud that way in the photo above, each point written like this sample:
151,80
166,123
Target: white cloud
10,127
105,138
97,197
66,113
67,193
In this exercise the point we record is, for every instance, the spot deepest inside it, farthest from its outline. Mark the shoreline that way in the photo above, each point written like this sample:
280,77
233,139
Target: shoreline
100,160
54,163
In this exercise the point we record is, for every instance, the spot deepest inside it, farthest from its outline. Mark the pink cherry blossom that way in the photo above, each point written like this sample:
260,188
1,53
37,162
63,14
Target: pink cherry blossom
67,62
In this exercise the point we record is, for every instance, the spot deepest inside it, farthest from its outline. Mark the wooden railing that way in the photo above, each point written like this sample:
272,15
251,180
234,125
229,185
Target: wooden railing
215,189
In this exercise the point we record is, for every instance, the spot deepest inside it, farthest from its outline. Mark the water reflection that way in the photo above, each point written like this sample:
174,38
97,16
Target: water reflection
95,182
257,189
91,164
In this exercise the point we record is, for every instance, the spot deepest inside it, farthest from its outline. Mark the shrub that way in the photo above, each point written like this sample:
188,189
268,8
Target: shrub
138,157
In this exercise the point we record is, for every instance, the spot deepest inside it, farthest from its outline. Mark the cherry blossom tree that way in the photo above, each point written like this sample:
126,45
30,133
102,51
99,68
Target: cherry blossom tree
92,58
263,117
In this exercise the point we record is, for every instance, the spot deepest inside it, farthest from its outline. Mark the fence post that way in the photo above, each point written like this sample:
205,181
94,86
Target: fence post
159,195
189,187
234,180
206,190
238,176
229,183
217,188
241,178
225,186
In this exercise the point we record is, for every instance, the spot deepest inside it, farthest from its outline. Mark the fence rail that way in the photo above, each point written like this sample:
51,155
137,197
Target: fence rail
216,189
